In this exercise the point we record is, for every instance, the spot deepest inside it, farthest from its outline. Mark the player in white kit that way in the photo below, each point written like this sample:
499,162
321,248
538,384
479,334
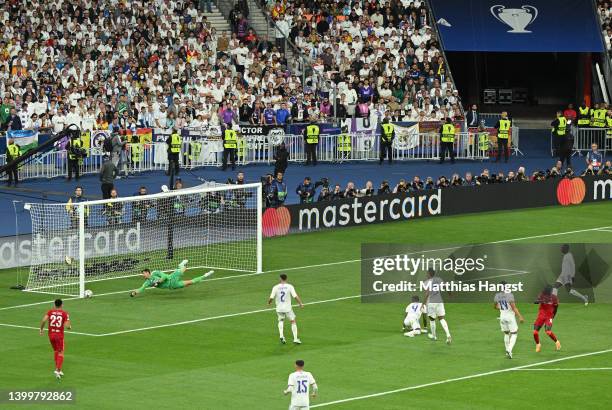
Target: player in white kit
281,294
567,275
412,322
504,302
302,386
435,306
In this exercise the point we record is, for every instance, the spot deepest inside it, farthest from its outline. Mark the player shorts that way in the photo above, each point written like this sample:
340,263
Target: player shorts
286,315
508,324
176,280
435,310
57,342
299,407
565,279
543,321
412,321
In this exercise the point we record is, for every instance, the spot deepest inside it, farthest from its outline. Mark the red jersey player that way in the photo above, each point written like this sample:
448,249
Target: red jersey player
548,309
57,318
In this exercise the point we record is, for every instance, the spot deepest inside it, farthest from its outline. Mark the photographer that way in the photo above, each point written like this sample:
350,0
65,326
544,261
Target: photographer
538,176
417,184
521,176
442,182
306,191
278,191
469,180
75,150
349,191
337,193
429,183
266,182
367,191
456,180
402,186
240,196
384,188
606,170
113,210
140,209
484,177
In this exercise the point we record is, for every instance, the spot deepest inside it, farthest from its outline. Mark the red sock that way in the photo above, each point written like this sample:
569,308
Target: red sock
536,336
551,335
60,360
55,359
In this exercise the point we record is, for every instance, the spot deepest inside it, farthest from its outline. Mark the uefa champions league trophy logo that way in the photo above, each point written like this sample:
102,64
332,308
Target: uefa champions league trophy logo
517,19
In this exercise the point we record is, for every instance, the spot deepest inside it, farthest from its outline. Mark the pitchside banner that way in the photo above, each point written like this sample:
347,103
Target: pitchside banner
518,25
436,202
481,273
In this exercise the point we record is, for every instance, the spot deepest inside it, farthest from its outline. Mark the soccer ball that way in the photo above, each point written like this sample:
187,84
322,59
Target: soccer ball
88,293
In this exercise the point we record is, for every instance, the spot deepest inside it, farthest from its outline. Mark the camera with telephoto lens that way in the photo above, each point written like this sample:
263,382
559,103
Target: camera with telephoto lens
324,182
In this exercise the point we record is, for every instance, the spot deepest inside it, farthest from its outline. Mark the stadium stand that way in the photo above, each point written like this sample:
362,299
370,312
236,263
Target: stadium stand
383,54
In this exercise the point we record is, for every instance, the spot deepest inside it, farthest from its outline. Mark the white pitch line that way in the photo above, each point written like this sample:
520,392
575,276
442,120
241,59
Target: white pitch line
205,319
604,230
577,369
456,379
324,265
37,328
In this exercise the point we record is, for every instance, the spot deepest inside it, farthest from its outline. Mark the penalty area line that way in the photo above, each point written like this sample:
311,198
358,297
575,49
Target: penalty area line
456,379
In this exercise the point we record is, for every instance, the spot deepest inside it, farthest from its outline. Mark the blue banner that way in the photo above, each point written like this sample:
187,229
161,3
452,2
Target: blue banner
518,25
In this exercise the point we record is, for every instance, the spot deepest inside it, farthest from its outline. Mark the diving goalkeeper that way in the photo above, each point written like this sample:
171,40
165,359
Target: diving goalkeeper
158,279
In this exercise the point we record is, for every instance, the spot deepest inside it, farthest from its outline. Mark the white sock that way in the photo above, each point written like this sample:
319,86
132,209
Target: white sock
507,341
512,342
281,329
294,330
578,294
445,327
555,291
432,327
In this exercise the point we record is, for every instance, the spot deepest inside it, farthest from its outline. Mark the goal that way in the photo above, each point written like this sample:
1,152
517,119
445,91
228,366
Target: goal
212,225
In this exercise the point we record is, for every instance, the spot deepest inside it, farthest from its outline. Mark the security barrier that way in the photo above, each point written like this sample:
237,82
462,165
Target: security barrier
208,151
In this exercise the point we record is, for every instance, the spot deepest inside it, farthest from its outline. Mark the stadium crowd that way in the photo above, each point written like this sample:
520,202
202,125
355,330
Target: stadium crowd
376,56
604,9
103,64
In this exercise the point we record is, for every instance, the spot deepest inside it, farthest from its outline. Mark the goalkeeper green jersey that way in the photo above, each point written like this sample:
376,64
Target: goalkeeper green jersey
156,276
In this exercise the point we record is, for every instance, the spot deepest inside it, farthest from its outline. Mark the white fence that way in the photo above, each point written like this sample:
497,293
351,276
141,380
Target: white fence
584,138
259,150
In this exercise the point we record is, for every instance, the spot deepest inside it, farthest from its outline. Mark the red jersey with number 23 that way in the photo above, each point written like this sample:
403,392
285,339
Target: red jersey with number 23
57,320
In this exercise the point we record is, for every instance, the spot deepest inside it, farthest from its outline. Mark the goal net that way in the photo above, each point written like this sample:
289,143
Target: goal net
212,225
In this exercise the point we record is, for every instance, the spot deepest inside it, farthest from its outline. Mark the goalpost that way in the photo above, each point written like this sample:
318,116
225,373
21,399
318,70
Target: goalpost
213,225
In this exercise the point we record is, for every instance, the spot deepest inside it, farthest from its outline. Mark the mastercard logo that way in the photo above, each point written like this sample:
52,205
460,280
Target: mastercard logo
571,191
276,222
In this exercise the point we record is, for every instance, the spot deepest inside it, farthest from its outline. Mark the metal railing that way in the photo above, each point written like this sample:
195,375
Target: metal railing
201,152
584,137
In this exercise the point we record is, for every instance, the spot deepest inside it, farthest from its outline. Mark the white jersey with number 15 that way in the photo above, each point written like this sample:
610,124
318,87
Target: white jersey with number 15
282,294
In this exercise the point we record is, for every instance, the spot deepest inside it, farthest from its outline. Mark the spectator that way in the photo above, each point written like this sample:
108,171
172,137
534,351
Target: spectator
14,122
570,113
473,117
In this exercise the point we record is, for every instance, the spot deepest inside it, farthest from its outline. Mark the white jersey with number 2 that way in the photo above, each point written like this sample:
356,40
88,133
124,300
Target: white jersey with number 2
300,382
282,294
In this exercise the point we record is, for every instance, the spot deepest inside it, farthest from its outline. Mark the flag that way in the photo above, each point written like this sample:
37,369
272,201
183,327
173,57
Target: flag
406,137
145,134
26,139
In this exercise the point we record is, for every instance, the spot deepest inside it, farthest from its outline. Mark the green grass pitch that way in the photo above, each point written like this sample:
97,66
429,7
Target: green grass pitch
215,345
